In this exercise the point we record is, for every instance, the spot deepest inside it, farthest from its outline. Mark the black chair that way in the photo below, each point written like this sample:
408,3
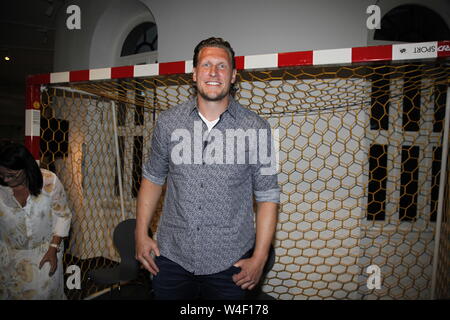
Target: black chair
128,268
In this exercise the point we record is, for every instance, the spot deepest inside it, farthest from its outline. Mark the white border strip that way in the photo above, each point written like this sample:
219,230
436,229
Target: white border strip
145,70
188,66
421,50
100,74
261,61
332,56
59,77
32,123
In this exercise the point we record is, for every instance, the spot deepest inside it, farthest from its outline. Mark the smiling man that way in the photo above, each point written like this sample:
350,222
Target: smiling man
208,244
214,76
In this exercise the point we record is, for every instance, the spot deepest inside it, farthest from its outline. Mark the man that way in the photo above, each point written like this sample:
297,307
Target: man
207,244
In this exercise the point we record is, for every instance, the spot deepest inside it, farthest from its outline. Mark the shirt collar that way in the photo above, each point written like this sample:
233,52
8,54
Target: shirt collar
232,108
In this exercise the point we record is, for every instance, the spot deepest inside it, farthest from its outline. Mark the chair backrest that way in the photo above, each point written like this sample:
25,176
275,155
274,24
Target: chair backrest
123,239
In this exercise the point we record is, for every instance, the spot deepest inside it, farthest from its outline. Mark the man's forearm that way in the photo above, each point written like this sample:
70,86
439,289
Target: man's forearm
266,221
147,201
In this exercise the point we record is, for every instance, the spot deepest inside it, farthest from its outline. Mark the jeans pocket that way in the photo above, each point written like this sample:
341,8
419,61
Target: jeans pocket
234,270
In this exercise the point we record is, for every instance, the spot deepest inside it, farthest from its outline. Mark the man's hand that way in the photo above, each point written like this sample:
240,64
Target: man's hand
50,257
147,201
144,247
251,271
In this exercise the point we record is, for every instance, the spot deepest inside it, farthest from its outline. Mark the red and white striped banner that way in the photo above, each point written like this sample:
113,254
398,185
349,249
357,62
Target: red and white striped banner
395,52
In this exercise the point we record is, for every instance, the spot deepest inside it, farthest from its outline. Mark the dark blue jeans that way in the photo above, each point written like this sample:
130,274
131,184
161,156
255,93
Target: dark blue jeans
173,282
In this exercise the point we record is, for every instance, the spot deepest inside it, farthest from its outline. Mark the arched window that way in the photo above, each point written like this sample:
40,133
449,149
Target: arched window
143,38
412,23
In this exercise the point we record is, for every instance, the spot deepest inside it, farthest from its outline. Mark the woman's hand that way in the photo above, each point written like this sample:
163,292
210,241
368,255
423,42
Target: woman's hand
50,257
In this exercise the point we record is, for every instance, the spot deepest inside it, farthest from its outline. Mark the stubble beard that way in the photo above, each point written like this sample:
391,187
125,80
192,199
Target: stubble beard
219,97
213,98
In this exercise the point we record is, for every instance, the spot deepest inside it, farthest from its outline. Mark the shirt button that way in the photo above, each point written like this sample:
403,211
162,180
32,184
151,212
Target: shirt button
200,207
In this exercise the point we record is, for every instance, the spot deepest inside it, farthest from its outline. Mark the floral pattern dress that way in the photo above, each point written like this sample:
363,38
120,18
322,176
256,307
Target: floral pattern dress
25,235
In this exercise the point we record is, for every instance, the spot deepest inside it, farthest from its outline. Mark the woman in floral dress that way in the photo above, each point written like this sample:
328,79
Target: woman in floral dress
34,218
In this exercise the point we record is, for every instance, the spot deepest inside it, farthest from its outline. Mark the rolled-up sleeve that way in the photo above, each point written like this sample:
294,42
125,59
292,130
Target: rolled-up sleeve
265,175
157,166
61,213
272,195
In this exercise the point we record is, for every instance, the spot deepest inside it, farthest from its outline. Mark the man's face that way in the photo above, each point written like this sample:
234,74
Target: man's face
214,74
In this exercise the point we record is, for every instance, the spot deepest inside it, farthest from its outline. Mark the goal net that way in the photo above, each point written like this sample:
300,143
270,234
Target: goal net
361,149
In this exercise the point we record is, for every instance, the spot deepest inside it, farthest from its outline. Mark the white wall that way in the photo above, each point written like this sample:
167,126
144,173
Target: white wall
72,46
112,28
257,27
104,27
251,26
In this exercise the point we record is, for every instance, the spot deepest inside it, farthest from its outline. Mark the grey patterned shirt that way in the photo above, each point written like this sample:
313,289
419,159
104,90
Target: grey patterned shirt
207,222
